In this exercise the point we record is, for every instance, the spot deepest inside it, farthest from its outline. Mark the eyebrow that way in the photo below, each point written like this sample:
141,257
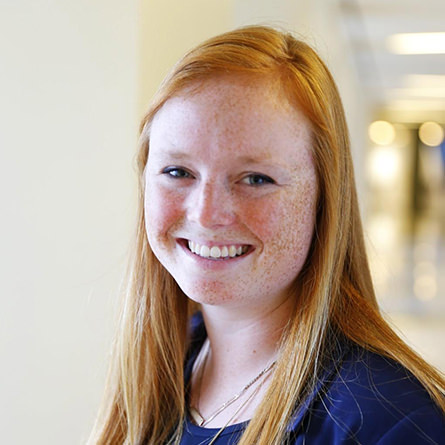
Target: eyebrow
246,159
252,160
176,154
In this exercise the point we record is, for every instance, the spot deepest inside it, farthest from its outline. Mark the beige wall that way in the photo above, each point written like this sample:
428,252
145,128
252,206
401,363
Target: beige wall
168,29
68,118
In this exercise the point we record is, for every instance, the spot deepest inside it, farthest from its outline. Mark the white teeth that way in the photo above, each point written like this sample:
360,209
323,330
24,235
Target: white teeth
215,252
205,251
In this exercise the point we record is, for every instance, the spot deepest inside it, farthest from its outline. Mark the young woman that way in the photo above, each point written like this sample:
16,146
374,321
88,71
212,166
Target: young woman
249,315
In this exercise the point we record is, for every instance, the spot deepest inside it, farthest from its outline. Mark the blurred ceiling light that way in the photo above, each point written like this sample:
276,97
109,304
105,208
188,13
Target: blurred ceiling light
383,166
417,43
381,132
424,80
431,134
425,287
426,91
416,104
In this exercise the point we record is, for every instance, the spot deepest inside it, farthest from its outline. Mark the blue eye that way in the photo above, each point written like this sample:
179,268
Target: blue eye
176,172
257,179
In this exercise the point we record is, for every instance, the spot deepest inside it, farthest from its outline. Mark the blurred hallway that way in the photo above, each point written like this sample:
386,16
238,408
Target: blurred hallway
400,55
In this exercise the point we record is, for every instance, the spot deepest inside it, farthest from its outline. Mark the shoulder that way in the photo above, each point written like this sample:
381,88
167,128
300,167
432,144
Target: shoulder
369,399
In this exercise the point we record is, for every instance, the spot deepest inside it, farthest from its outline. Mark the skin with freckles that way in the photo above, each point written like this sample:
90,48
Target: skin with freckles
231,164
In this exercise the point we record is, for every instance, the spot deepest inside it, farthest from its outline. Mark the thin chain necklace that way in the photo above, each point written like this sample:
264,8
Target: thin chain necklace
194,411
239,409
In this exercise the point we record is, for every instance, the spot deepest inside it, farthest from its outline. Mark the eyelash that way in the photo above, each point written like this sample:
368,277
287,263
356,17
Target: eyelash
181,173
264,179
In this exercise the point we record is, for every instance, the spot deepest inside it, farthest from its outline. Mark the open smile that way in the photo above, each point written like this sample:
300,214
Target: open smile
220,252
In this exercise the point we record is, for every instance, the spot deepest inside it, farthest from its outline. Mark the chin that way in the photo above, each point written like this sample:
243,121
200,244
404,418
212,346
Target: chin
211,293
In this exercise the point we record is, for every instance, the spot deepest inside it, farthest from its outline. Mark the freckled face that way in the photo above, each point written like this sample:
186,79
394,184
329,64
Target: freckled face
231,192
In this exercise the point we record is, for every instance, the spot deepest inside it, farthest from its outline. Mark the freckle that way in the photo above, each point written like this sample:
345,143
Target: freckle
254,351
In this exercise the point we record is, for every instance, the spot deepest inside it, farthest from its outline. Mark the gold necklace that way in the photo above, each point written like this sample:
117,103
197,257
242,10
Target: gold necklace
199,419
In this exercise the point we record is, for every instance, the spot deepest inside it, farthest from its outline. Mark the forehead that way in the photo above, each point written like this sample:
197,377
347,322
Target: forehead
247,113
236,90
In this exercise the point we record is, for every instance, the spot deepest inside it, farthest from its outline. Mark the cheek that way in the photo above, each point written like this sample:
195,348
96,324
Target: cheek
162,210
285,222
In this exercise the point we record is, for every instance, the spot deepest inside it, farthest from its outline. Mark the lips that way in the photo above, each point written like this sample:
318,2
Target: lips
217,252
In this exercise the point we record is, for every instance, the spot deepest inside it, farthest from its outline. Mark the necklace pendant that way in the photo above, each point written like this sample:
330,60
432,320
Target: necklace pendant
196,416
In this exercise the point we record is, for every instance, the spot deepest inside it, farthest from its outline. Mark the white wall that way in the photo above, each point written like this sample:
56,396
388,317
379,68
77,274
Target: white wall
68,127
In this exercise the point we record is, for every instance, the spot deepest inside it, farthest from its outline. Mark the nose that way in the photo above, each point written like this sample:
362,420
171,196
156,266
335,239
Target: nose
211,205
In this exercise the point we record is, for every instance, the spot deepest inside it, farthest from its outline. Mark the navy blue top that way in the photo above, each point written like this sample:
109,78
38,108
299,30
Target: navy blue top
363,398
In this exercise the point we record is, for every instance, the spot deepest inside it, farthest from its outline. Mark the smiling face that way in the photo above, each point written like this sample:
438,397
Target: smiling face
231,192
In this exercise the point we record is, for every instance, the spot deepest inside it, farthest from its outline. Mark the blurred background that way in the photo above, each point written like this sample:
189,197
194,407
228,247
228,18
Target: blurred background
75,79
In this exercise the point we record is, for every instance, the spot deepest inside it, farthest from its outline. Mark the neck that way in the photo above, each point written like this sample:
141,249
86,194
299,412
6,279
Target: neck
241,347
247,341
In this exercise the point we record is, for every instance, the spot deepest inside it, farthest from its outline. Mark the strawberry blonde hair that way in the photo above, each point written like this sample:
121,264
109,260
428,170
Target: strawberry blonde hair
144,400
